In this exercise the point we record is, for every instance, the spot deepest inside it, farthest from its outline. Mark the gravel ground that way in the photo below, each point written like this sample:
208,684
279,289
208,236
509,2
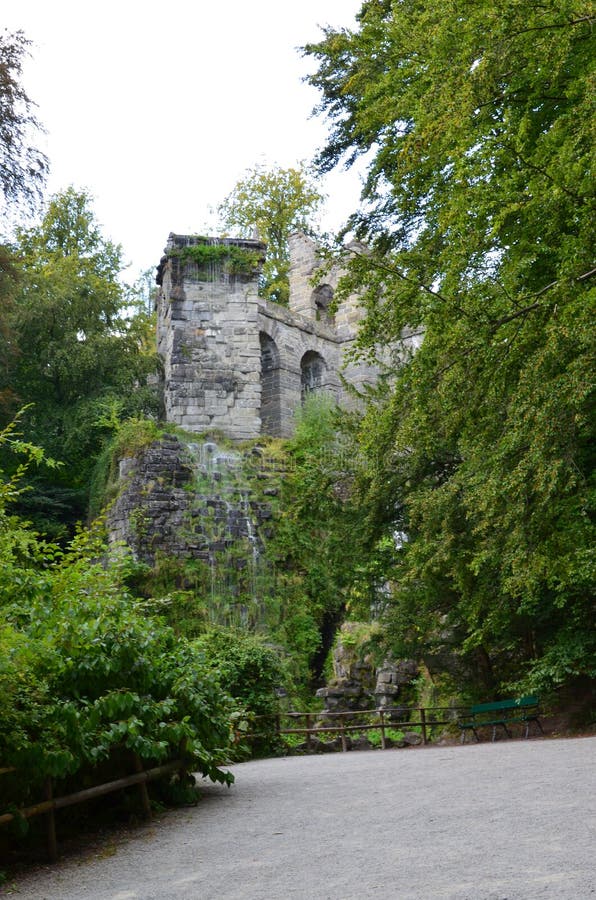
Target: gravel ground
514,820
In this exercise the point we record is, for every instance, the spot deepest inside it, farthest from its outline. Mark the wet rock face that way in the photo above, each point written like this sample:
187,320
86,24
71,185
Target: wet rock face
188,501
148,514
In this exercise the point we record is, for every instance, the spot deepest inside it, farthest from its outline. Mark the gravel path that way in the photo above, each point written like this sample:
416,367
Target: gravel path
514,820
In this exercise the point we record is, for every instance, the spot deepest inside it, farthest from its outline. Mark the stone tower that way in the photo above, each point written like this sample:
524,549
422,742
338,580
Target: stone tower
240,364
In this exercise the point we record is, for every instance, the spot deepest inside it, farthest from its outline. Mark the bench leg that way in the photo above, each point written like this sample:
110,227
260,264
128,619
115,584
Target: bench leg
537,721
505,729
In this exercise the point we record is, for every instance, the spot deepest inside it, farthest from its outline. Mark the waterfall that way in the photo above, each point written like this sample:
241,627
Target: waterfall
223,505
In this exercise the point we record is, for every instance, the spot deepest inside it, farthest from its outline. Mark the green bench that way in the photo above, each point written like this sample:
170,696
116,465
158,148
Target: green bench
501,714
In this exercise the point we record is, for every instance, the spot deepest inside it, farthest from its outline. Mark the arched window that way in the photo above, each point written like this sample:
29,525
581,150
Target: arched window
323,296
312,372
270,389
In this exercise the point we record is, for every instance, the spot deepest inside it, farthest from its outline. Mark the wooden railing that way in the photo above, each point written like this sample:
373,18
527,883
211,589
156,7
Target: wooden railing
50,804
382,719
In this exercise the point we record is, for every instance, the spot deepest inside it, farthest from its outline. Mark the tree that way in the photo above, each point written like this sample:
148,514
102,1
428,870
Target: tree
22,167
81,345
272,204
479,230
8,288
22,174
316,576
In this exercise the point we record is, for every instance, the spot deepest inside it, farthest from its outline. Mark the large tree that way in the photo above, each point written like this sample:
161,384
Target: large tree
477,121
271,204
22,174
82,357
23,166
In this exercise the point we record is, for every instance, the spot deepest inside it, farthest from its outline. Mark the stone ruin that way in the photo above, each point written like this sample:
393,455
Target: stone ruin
357,683
236,363
239,365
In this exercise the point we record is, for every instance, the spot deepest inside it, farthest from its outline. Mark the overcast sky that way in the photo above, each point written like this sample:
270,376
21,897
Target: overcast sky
158,109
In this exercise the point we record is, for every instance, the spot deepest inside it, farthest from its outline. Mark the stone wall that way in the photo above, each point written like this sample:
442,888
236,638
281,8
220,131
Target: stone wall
237,363
148,514
193,501
208,339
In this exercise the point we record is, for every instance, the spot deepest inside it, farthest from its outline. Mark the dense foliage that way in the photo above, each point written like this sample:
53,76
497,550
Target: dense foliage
478,132
23,169
80,350
250,669
270,205
318,543
87,673
212,257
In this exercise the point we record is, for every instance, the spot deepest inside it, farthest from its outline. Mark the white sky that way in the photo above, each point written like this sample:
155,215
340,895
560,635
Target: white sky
158,109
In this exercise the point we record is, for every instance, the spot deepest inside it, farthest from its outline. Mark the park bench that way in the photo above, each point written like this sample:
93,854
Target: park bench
501,714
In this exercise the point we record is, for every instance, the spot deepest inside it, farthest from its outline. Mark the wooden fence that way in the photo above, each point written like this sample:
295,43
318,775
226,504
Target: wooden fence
50,804
315,723
381,720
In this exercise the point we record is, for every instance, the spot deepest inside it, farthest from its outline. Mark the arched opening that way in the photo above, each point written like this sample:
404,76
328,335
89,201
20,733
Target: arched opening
312,373
270,388
323,297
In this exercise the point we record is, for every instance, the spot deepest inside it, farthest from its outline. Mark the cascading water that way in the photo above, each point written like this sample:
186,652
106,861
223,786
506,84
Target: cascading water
223,503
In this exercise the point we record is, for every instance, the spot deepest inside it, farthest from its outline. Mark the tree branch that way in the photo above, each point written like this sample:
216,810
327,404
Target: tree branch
541,171
568,24
392,270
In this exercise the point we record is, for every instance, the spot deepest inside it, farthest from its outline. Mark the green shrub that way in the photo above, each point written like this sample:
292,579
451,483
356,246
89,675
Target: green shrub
252,673
86,676
129,439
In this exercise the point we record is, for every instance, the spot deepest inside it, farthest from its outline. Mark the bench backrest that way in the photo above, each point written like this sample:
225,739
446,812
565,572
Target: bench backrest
499,705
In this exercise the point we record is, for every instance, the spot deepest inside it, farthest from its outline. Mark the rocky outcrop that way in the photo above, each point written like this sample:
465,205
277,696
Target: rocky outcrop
357,683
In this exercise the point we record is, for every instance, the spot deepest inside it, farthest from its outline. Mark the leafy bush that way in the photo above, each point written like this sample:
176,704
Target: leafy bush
87,674
251,672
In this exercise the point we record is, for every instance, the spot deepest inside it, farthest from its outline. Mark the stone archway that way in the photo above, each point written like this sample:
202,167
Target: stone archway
270,386
312,373
322,298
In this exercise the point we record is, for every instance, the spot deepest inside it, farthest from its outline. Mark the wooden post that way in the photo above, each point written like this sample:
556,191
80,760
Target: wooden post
182,771
143,792
48,794
382,724
308,744
423,723
344,744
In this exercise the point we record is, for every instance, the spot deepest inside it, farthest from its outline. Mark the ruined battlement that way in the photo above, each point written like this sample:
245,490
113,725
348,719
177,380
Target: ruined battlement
236,362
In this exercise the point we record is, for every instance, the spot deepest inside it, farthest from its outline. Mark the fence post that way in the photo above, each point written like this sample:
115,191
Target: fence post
48,794
382,724
344,745
183,770
308,744
423,723
143,792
